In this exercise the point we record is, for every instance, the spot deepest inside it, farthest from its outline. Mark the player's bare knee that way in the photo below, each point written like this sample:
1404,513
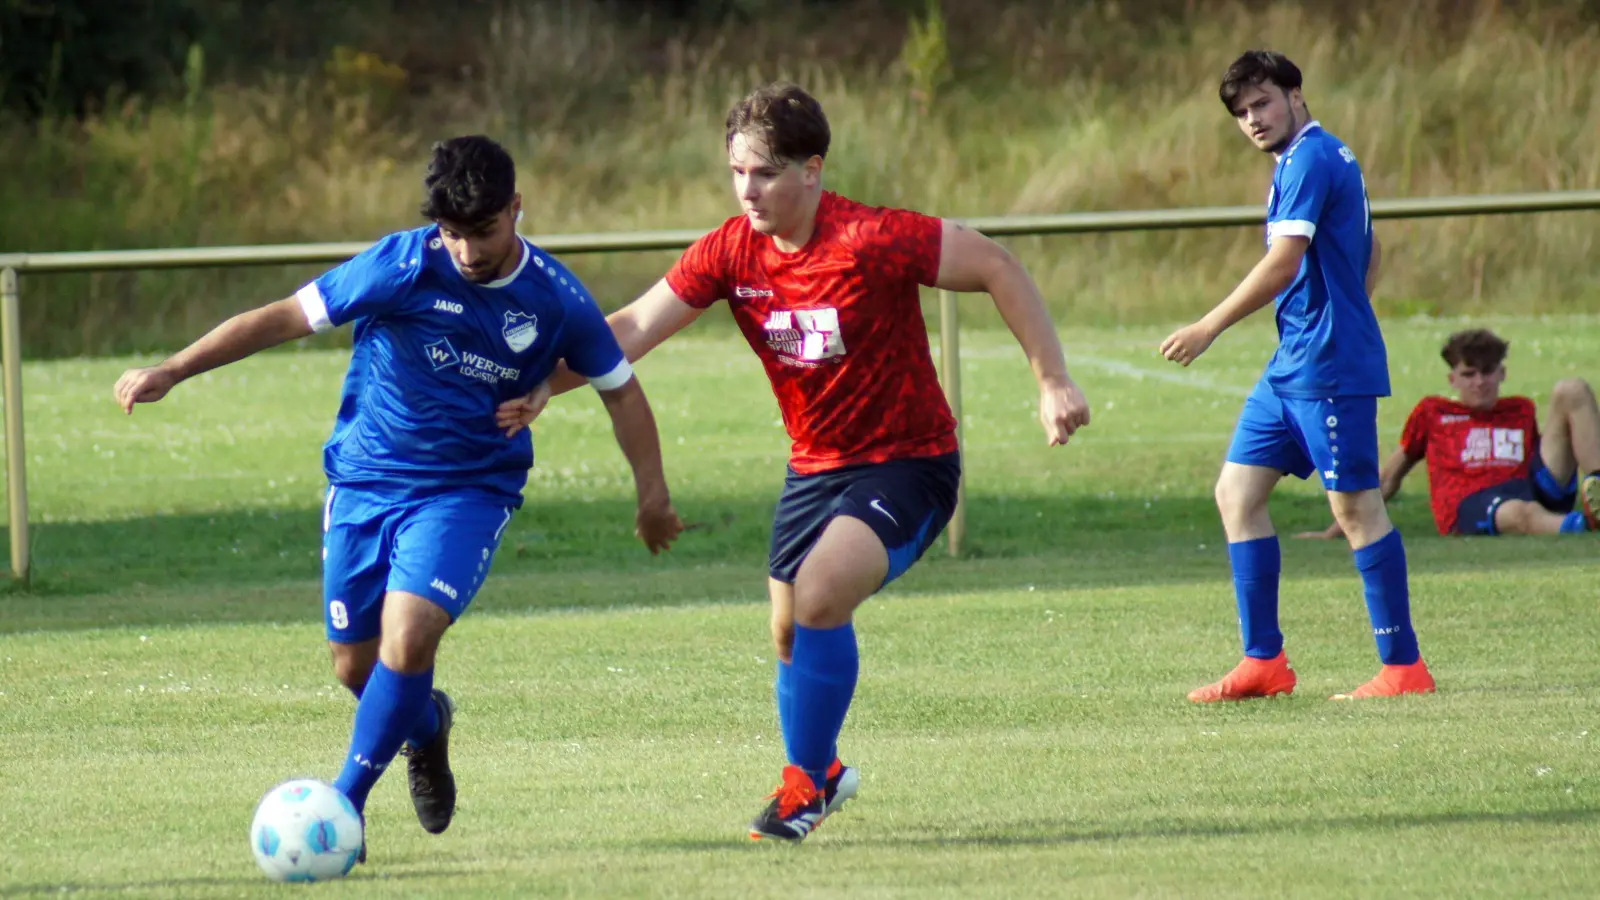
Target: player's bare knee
352,665
1572,393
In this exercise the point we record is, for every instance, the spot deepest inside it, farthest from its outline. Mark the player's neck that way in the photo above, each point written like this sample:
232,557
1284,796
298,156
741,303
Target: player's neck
1300,129
795,239
513,260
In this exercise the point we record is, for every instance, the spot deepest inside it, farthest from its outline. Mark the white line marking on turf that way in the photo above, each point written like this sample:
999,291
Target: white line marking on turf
1171,376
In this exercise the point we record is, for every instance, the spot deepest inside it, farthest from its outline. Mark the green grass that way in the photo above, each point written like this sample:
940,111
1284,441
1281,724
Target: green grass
1020,722
1049,106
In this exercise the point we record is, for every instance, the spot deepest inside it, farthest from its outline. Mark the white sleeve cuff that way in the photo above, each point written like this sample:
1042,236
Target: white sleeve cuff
613,379
316,309
1292,228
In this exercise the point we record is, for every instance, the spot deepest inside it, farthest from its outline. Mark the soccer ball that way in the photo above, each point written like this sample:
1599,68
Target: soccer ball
306,830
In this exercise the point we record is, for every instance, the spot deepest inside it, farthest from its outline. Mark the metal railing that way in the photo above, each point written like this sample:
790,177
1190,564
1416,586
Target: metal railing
14,264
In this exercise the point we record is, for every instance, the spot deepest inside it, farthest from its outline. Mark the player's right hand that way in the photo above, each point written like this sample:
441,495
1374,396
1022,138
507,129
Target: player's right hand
658,525
146,385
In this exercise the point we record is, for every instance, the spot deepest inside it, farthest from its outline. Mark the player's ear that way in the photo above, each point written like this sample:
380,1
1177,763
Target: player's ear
516,208
813,170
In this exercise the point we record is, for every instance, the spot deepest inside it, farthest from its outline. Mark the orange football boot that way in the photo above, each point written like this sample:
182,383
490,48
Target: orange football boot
1250,678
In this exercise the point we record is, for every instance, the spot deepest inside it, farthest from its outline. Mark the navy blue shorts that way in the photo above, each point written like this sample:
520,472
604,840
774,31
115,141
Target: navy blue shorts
1475,514
906,502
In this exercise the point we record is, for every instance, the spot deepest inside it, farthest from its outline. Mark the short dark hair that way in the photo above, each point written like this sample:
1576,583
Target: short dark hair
1254,68
1479,348
787,118
469,180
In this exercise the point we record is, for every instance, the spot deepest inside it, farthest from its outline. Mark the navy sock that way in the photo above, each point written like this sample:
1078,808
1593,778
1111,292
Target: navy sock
1256,566
822,681
1574,523
388,711
1383,570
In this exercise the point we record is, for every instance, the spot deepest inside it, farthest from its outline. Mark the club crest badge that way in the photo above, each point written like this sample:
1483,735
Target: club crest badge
521,330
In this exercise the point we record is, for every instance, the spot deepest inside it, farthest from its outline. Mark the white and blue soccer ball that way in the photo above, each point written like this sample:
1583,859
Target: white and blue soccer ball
306,830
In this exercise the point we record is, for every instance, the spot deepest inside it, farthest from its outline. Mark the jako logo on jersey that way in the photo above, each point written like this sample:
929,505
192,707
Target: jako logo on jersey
443,588
748,292
449,306
435,244
441,354
805,337
521,330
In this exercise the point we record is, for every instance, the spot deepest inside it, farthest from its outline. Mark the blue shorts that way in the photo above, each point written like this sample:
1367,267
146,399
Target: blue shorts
906,502
1475,513
437,547
1336,437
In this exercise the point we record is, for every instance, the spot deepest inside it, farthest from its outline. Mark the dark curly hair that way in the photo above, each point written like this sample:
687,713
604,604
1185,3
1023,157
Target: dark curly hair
1479,348
469,181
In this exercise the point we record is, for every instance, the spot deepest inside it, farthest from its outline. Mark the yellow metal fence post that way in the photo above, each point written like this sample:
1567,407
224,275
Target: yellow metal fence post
16,453
950,362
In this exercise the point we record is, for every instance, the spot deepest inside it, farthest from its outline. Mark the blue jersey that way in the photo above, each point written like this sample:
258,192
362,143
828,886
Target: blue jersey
435,354
1329,344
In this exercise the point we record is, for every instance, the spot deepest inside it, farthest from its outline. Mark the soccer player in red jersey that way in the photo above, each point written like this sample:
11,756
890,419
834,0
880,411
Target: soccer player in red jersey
1491,469
825,291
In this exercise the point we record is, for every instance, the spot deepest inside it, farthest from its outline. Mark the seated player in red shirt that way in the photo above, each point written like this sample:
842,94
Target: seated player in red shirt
825,291
1491,470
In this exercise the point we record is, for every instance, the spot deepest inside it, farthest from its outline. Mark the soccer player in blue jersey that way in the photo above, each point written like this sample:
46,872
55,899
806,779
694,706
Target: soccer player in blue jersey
1315,408
456,324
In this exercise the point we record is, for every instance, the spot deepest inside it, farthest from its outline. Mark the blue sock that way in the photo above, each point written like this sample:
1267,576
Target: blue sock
1574,523
427,726
390,705
1383,570
1256,566
784,689
822,681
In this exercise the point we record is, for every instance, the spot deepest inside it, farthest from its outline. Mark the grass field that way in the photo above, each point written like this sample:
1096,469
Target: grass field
1020,723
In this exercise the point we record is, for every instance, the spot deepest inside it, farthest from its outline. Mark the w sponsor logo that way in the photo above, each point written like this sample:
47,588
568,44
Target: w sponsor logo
441,354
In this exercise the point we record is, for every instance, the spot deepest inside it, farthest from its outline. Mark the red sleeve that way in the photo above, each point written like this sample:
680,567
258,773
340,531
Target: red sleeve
909,243
698,275
1414,439
1533,423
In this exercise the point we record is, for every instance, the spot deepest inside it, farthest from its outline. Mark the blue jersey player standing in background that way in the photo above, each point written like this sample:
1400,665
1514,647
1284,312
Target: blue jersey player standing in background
455,325
1315,409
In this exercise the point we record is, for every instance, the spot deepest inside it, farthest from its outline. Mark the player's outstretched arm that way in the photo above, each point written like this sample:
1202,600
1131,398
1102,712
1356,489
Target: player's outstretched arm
969,261
639,327
233,340
1394,472
1269,278
656,523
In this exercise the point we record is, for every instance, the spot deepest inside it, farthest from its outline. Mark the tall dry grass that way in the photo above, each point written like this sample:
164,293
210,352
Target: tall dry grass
1045,107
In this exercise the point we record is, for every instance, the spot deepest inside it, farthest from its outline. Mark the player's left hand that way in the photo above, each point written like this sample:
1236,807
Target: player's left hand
1062,410
517,413
658,525
1185,345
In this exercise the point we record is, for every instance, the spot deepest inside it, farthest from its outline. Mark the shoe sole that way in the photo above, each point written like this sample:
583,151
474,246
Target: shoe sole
1589,499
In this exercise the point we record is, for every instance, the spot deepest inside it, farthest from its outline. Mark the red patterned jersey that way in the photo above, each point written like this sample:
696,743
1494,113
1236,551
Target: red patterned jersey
838,326
1469,449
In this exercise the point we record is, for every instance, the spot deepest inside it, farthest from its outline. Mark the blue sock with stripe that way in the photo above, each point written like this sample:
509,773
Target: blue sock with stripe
1574,523
1256,567
387,713
821,682
1383,570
